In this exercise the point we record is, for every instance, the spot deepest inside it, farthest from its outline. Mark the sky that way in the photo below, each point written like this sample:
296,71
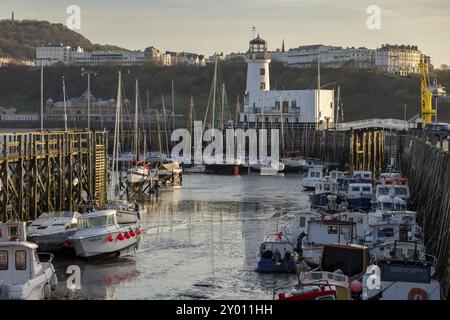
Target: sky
208,26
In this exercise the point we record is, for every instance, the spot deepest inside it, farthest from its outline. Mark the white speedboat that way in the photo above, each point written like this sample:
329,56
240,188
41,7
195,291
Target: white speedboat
51,229
100,233
22,275
126,212
271,170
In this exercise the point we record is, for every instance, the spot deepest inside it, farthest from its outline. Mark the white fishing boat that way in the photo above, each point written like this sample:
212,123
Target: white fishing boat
313,177
99,233
22,275
402,274
126,212
51,229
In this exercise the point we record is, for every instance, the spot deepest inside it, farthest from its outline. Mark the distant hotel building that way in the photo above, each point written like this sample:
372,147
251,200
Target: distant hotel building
77,109
263,106
401,60
50,55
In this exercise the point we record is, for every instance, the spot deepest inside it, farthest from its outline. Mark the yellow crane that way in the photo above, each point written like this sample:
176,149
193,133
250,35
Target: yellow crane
425,94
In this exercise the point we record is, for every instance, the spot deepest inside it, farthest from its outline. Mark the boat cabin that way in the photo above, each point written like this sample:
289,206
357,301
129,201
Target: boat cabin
330,230
19,261
391,203
363,175
389,231
350,259
359,190
313,176
335,175
277,245
401,191
97,219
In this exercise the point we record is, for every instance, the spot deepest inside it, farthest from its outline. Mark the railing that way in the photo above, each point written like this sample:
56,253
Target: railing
393,124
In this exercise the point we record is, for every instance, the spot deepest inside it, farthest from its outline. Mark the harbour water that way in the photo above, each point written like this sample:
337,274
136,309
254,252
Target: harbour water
200,242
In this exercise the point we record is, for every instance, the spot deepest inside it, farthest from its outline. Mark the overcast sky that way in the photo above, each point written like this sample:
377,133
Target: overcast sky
208,26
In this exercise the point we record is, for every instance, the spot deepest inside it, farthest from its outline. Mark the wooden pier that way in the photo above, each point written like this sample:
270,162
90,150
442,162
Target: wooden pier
51,171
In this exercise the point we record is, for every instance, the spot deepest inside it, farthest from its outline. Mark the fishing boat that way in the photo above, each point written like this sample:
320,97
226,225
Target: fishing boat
126,212
359,196
22,274
314,176
100,233
276,254
51,229
316,285
402,274
323,190
322,231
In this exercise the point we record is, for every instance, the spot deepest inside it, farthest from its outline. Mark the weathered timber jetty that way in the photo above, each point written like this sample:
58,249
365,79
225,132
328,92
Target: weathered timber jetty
51,171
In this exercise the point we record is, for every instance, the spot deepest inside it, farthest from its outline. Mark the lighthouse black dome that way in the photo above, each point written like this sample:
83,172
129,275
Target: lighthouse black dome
258,40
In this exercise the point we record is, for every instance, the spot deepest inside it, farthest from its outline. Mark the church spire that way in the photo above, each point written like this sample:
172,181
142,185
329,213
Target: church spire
282,47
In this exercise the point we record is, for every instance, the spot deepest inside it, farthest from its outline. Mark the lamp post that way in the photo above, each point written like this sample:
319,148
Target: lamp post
88,72
42,89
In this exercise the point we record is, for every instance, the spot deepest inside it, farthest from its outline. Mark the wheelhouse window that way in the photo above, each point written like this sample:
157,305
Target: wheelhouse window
3,260
302,222
21,260
385,232
332,230
94,222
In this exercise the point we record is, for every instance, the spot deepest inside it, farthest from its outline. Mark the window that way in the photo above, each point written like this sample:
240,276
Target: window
21,260
302,223
3,260
262,85
385,233
277,105
262,71
294,104
285,106
332,230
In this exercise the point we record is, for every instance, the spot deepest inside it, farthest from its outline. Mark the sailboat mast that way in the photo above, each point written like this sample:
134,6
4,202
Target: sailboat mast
165,125
65,103
282,130
223,107
318,88
173,107
238,108
214,93
136,121
191,116
115,161
159,132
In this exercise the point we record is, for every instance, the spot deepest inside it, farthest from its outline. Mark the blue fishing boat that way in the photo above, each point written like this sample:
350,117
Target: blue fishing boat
324,189
359,196
277,254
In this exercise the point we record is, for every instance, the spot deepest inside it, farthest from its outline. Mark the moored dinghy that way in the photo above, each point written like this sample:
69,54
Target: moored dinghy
276,254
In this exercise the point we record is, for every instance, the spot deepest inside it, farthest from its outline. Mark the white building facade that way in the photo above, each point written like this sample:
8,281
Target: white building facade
272,107
50,55
398,59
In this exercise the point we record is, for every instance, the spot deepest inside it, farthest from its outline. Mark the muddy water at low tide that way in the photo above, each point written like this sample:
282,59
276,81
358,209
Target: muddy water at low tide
200,242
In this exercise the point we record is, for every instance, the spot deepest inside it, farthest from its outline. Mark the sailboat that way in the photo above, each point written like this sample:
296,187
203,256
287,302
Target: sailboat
141,173
220,168
192,168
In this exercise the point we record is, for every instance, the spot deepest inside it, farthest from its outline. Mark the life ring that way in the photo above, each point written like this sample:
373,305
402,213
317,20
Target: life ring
415,293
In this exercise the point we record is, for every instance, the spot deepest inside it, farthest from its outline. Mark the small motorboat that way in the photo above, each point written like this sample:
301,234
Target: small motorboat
126,212
313,177
323,190
316,285
277,254
22,274
100,233
271,170
359,196
51,229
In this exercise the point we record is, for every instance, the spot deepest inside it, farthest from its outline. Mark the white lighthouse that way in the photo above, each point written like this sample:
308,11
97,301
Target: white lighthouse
266,107
258,80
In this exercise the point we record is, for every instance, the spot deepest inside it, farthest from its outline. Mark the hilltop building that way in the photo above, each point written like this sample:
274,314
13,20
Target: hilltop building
263,106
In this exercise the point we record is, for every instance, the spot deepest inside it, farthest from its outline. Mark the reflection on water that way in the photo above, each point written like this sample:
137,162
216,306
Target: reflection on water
200,243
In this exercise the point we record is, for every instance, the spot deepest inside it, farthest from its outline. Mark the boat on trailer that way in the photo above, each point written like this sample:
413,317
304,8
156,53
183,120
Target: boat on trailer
23,276
100,233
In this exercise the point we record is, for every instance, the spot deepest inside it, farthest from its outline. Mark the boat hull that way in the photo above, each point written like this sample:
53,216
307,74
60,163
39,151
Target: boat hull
362,203
223,169
272,266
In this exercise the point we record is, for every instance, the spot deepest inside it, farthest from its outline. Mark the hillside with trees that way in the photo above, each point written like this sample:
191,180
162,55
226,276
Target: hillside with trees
364,94
20,38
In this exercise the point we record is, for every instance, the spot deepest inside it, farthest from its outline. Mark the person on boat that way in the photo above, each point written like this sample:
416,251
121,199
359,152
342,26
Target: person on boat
279,236
299,248
136,208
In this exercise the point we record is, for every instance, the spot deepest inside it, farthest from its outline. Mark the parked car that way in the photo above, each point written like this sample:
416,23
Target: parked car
439,130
